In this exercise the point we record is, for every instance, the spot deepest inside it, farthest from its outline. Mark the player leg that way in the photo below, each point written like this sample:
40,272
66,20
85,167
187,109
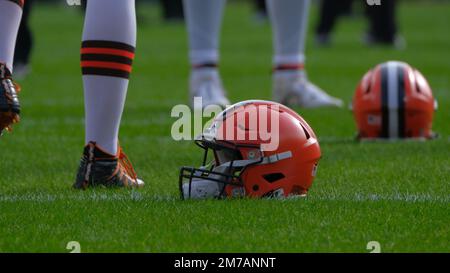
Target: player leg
291,86
383,29
107,52
10,15
203,19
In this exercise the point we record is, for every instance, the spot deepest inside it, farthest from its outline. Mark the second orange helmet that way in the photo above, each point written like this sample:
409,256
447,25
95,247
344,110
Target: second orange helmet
393,101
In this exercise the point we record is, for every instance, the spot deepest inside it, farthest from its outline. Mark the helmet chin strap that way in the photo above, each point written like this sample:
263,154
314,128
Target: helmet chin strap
206,188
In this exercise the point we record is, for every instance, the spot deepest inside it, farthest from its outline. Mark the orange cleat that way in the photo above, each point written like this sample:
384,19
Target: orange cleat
99,168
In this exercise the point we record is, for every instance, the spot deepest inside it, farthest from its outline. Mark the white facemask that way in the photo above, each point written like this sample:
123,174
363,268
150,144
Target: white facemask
204,188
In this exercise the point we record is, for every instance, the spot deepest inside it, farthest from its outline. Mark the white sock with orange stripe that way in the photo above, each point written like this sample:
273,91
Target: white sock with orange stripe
107,52
10,15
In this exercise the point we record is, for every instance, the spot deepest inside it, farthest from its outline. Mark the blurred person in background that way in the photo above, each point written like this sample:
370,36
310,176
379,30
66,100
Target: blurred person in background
383,29
260,10
289,20
172,10
24,44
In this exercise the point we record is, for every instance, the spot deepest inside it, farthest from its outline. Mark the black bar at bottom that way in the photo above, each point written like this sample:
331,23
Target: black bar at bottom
222,262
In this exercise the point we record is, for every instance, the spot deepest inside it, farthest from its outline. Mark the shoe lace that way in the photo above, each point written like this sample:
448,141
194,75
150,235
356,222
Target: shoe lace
10,97
125,163
13,84
90,161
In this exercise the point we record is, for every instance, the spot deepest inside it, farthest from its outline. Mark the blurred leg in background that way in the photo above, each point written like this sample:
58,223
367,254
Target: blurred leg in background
382,22
203,21
330,10
172,10
24,45
289,20
260,11
383,28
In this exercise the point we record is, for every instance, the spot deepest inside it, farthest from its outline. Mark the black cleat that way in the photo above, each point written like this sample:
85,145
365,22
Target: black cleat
98,168
9,101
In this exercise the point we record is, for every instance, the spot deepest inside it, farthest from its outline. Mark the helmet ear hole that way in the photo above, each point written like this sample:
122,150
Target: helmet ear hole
418,87
368,88
416,80
308,136
273,177
369,84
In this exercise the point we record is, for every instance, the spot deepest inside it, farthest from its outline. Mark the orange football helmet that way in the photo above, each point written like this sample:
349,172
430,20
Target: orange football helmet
246,162
393,100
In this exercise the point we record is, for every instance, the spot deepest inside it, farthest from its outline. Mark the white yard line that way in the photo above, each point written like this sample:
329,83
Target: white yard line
136,196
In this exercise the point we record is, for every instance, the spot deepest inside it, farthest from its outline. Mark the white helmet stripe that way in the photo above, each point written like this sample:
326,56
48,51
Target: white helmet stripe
393,99
276,157
265,160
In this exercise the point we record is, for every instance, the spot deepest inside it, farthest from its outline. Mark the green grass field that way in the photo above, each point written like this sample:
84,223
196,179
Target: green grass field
395,193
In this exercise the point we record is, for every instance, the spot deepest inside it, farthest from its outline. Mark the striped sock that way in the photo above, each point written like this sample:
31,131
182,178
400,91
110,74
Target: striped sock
205,65
106,58
289,67
107,52
106,67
